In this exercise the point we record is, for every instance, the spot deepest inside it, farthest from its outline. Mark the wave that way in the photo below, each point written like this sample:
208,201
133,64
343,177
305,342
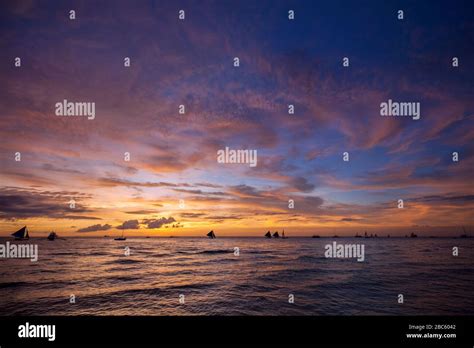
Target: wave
13,284
259,252
124,278
307,258
65,254
96,254
158,254
212,252
123,262
112,296
192,286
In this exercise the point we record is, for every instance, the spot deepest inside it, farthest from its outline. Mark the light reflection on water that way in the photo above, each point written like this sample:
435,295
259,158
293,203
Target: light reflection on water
258,282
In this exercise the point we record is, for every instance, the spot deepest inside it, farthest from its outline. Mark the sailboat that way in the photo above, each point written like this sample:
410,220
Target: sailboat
21,234
268,234
276,235
211,235
121,238
283,235
52,236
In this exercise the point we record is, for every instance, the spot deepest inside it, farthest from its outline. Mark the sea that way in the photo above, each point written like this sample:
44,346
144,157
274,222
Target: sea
239,276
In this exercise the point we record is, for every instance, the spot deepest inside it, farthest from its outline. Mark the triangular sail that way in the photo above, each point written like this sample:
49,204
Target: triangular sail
21,233
211,235
276,235
268,234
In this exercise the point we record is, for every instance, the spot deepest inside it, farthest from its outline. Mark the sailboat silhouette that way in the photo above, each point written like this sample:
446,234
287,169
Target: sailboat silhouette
52,236
21,234
121,238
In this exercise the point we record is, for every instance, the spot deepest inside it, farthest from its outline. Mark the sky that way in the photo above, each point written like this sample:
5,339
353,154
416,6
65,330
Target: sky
173,184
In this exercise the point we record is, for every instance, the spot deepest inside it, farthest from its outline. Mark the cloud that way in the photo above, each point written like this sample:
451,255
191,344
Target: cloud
244,191
200,192
302,184
192,215
224,217
157,223
129,225
80,217
123,182
21,203
205,184
141,212
95,228
453,199
53,168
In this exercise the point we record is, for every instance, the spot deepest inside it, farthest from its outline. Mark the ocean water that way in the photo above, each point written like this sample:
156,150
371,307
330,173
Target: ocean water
257,282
